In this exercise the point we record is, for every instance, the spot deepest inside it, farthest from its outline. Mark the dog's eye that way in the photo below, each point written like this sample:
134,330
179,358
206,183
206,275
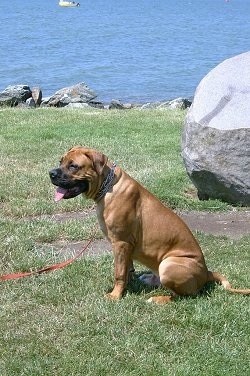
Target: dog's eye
73,167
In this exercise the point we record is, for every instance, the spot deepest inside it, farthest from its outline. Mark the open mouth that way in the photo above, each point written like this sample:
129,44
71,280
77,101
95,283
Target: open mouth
66,193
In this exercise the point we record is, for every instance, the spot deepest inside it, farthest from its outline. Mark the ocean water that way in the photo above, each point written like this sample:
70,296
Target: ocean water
133,50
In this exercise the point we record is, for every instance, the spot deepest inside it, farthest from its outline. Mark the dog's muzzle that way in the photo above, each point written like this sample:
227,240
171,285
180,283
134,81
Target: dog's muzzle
67,188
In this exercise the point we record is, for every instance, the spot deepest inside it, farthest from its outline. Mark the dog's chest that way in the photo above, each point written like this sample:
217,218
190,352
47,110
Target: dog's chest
102,224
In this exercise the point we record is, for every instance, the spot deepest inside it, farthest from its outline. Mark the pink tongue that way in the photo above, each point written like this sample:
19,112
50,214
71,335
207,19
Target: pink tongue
59,194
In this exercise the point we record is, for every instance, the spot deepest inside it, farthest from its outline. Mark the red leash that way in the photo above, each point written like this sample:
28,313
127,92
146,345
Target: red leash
60,265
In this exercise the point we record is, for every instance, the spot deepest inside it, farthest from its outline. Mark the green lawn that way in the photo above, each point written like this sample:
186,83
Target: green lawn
60,323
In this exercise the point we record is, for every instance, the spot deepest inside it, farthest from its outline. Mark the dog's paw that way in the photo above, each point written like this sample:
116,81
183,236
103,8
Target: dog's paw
160,299
113,297
150,300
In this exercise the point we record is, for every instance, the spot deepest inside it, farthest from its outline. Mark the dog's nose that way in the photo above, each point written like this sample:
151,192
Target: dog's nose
53,173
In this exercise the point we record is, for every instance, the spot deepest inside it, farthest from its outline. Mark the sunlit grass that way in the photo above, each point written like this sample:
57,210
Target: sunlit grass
145,143
60,323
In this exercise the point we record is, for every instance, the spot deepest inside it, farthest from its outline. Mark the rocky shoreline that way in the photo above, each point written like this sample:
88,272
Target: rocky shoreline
76,96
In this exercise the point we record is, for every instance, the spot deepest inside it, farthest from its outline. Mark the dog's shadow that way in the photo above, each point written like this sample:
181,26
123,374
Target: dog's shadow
137,287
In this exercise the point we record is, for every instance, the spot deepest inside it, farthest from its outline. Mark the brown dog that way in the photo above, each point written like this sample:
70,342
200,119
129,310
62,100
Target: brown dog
138,226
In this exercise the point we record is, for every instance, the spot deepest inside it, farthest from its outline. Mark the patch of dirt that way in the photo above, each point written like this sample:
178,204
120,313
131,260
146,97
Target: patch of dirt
233,224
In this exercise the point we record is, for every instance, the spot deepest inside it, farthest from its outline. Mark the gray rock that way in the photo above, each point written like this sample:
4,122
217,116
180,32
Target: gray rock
8,101
150,105
178,103
96,104
45,101
37,95
216,136
79,93
77,105
31,103
14,94
116,105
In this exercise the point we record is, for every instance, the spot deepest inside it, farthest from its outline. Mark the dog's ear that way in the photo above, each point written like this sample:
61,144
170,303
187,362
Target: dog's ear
74,148
99,160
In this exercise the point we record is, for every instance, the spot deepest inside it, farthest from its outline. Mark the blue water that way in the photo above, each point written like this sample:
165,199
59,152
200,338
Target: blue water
133,50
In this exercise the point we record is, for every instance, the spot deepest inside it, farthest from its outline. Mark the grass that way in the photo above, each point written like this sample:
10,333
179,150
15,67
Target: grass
145,143
60,323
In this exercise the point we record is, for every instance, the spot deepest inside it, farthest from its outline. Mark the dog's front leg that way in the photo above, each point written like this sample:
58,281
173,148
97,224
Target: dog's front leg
123,261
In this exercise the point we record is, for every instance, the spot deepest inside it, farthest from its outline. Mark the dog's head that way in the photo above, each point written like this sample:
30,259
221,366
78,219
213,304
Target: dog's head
80,171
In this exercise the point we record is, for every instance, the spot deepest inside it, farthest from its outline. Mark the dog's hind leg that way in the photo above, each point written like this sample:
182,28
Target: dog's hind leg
182,276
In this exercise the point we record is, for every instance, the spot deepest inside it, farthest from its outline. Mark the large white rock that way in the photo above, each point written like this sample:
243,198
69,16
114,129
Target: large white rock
216,135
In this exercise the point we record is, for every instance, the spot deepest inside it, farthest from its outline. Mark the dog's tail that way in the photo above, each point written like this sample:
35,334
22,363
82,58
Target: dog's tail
217,277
